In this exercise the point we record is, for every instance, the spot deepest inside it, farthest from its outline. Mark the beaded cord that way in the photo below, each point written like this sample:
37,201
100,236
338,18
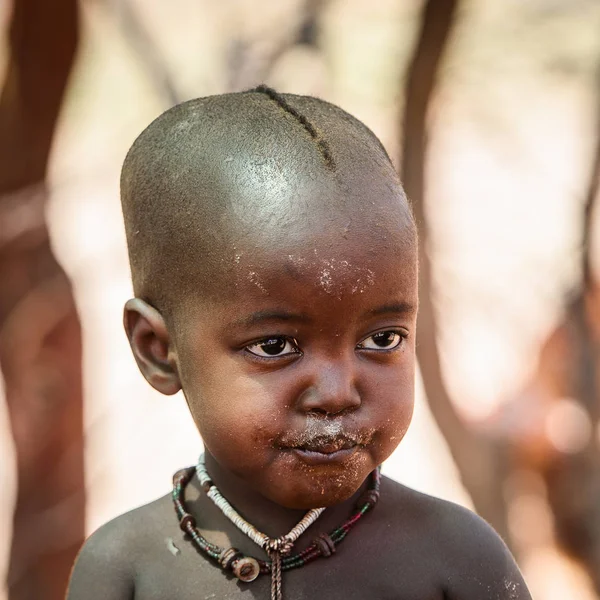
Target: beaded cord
324,545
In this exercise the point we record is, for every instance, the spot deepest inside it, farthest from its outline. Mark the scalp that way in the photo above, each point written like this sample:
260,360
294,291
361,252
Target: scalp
213,170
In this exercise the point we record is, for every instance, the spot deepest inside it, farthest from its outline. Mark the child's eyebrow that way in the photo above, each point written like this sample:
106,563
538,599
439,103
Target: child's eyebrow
272,315
263,316
398,308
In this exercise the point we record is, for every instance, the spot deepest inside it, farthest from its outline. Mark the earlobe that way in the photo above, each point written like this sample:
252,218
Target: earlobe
150,343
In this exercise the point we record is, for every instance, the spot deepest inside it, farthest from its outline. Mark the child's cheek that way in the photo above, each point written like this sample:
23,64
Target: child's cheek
236,426
395,430
394,417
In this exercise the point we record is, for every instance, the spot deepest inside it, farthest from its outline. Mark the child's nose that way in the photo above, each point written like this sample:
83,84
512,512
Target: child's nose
334,390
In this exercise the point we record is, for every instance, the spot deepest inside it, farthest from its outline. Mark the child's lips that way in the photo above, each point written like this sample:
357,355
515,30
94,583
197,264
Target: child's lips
325,441
327,454
325,450
327,446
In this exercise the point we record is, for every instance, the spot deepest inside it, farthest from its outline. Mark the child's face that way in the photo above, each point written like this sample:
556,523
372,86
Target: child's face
301,379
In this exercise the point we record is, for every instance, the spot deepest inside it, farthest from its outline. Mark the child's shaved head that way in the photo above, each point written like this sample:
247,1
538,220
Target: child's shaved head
214,171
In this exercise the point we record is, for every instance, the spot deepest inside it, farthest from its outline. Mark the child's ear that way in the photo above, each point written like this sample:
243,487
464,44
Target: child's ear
150,344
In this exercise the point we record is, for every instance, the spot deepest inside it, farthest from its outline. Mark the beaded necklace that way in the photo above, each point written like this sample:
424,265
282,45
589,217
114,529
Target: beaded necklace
275,548
247,568
260,539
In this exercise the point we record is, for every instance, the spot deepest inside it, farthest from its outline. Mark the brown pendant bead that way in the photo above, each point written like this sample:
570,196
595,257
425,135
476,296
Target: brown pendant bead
246,569
369,497
325,544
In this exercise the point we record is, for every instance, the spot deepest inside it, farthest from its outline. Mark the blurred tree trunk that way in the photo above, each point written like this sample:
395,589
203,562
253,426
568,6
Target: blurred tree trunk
146,50
483,461
40,337
480,462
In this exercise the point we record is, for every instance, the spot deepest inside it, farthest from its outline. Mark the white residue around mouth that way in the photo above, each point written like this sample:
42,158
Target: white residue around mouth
324,430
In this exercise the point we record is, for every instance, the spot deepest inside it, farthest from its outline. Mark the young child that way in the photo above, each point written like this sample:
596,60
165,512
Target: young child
274,263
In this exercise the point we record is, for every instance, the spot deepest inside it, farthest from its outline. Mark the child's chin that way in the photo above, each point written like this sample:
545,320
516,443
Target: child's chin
316,494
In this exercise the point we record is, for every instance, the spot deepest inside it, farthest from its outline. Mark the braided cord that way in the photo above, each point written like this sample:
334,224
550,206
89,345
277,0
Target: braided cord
276,579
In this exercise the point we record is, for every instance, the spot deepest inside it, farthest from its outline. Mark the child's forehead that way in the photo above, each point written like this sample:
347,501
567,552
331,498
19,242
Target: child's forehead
326,271
295,201
341,258
329,236
305,233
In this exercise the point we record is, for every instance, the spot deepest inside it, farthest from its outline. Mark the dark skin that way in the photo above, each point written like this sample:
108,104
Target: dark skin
300,378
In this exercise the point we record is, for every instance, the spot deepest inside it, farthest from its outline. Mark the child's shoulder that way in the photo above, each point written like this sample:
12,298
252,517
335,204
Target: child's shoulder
438,517
131,530
458,545
446,526
106,564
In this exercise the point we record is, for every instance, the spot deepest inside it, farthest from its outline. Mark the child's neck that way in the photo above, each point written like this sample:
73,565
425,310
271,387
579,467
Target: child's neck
272,519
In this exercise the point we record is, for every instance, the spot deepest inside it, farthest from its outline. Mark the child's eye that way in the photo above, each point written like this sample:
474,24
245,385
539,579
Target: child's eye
273,347
382,340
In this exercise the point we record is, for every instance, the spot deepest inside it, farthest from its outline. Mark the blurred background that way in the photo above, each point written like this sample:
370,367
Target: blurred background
490,110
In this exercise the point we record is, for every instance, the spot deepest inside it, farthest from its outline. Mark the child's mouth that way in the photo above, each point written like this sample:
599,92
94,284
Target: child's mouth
328,446
325,441
325,450
315,457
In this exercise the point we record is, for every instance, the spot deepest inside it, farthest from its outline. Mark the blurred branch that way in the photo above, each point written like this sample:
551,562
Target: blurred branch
590,200
42,40
147,52
478,460
435,30
249,68
40,337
